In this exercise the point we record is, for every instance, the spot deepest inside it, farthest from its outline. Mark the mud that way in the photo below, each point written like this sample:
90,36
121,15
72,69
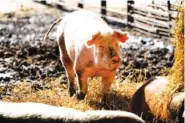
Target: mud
25,56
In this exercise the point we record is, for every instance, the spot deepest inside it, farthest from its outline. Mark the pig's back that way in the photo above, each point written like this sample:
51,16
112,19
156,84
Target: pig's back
83,24
79,26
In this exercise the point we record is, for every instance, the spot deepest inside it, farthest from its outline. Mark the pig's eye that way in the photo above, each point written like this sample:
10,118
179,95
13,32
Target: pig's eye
101,47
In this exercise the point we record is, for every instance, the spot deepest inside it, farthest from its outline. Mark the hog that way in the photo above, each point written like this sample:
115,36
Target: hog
30,112
88,47
145,102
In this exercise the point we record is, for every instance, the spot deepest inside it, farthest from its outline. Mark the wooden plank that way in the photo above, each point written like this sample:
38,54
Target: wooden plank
164,33
147,19
164,30
158,27
145,27
140,12
158,7
109,10
152,25
147,33
147,9
161,30
162,18
117,11
173,6
143,22
155,16
115,19
63,4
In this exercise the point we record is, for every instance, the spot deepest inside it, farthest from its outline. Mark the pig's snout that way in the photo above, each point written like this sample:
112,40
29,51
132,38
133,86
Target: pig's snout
115,59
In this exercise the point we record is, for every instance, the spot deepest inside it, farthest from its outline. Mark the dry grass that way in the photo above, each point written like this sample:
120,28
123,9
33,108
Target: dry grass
52,92
55,93
177,72
24,12
176,75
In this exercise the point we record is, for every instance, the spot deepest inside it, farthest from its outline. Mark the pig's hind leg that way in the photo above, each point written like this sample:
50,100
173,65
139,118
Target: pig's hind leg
82,85
68,65
81,80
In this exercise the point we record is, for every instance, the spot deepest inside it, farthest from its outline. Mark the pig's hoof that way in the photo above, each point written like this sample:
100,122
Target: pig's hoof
80,95
71,91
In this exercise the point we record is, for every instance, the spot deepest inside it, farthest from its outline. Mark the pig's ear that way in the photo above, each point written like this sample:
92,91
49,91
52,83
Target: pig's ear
121,36
95,37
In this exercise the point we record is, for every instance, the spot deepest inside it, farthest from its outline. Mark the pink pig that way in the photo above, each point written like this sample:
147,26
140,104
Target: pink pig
88,47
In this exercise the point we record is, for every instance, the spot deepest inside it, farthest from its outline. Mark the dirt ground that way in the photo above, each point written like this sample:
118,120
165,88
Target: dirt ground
25,58
24,54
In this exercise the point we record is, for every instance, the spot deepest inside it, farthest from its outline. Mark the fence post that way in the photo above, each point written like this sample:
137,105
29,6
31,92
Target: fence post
103,9
169,16
80,4
130,19
153,2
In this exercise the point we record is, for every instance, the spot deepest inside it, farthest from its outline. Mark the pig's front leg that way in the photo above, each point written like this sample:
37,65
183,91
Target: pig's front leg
106,85
107,79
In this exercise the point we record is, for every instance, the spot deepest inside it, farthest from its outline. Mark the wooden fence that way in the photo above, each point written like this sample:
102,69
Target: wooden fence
156,20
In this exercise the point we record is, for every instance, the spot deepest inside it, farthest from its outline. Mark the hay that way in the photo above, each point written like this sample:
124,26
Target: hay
176,75
94,95
55,93
120,96
27,11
